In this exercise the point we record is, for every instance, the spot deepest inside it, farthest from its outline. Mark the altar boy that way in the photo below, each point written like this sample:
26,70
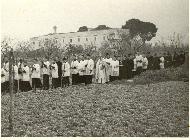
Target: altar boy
65,72
36,82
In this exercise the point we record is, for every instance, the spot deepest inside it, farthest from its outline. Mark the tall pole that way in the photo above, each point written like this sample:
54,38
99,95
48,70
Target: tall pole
11,91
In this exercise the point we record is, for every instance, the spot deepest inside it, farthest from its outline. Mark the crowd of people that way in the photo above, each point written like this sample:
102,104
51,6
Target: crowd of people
82,69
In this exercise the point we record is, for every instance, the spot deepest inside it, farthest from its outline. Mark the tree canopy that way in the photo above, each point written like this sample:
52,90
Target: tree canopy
101,27
83,29
146,30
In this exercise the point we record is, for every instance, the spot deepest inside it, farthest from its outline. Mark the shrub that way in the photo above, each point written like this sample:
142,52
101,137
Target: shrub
170,74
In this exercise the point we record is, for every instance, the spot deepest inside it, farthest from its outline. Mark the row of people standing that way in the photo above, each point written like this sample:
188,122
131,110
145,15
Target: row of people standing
168,59
134,65
39,75
107,69
81,70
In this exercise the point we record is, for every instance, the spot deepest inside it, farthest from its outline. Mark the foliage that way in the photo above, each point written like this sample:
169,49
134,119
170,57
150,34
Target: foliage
146,30
24,50
6,44
122,45
49,48
72,49
83,29
101,110
101,27
169,74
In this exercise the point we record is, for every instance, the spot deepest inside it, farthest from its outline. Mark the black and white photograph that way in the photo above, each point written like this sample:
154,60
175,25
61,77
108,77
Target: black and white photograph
95,68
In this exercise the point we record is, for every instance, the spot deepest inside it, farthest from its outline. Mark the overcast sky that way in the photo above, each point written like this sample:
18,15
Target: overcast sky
28,18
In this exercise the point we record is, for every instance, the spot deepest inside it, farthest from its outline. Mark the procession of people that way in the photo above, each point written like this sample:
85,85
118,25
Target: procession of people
82,70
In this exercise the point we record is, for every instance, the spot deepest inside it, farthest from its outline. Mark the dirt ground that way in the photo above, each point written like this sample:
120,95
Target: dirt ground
153,110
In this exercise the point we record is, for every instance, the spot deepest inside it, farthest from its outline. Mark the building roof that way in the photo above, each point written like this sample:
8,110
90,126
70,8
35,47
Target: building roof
79,33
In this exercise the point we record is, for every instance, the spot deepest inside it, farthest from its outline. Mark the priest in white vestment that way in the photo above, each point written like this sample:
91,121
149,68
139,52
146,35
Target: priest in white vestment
101,71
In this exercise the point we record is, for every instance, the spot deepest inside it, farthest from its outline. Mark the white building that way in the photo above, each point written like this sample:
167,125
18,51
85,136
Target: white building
91,37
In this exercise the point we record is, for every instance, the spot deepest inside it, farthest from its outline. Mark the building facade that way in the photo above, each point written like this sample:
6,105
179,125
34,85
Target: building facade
93,38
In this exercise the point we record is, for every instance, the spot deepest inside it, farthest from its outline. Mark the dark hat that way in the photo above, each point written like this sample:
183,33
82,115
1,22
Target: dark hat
107,54
64,58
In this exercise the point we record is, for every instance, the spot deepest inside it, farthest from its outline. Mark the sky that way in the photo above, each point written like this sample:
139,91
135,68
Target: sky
23,19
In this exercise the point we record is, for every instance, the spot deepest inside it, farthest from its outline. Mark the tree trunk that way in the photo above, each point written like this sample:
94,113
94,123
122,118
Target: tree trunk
11,91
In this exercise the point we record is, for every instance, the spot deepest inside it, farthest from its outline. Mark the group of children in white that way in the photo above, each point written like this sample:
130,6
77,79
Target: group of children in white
81,70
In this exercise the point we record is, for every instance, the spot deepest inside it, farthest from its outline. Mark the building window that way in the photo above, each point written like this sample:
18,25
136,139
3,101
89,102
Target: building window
63,40
71,40
95,38
33,43
78,39
86,39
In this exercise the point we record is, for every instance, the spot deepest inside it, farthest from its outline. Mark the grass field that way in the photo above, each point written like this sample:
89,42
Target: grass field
115,109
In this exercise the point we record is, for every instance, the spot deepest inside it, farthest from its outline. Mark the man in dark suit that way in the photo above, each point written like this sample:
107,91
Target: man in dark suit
156,62
168,60
59,64
150,61
130,66
124,68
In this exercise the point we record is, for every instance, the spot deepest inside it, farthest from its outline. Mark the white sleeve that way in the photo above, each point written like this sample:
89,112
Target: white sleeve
92,65
86,62
37,68
146,61
135,62
56,67
67,66
27,70
79,66
117,63
72,64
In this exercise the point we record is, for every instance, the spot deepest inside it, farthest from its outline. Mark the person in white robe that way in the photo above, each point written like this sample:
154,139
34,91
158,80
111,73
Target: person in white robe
100,74
26,78
108,61
20,67
45,67
65,72
3,86
6,73
36,81
16,77
89,70
162,62
54,74
74,71
139,64
114,69
82,69
145,63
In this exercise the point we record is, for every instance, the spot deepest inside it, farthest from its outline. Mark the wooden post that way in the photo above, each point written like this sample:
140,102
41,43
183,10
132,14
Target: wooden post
11,91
